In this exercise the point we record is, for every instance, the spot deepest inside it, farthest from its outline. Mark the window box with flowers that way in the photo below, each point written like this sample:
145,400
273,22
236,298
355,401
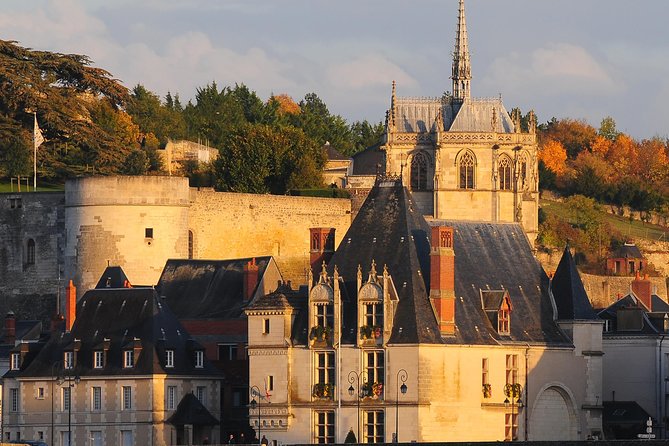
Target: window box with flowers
323,391
372,390
487,391
371,332
321,335
513,390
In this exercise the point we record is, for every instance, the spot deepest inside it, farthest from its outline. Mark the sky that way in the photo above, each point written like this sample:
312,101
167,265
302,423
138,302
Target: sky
582,59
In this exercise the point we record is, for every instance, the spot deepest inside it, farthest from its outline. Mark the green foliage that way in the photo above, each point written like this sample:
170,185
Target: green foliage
607,129
137,163
15,155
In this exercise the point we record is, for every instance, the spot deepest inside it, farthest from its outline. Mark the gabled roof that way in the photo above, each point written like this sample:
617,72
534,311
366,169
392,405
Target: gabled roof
649,322
332,153
570,297
113,277
370,161
203,289
627,251
191,411
122,318
476,115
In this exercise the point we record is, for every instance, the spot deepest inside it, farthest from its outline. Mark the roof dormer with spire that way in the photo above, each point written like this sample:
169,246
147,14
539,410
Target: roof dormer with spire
462,71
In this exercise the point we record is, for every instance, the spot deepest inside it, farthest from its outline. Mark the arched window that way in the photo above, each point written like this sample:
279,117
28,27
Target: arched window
523,172
419,172
505,171
190,244
30,252
467,171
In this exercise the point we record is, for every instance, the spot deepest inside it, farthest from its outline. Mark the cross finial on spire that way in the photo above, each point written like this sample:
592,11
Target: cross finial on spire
462,72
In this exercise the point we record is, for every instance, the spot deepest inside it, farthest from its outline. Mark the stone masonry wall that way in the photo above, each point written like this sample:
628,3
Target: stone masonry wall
229,225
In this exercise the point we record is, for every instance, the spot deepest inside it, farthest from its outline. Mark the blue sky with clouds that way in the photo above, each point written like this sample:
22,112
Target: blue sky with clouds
567,58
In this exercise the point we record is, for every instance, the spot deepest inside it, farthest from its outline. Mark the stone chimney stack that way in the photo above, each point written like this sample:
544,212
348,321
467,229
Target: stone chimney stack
442,278
250,279
642,288
322,242
70,305
10,328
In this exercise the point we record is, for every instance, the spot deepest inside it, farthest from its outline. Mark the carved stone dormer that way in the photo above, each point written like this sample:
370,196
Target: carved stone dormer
497,306
376,304
324,321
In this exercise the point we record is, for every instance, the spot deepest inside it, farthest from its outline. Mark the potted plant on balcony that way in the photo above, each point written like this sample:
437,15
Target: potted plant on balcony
372,390
323,390
366,332
487,391
320,333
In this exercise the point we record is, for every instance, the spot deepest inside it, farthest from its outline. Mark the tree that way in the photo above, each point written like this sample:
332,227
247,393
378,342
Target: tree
607,129
553,155
16,155
574,135
137,163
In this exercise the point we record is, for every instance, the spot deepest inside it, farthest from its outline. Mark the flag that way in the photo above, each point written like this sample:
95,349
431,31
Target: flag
38,138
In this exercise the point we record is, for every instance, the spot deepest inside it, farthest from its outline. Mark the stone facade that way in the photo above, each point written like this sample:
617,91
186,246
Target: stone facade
177,153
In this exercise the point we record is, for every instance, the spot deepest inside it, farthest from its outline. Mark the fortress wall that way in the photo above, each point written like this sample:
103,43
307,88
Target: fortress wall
231,225
30,289
106,219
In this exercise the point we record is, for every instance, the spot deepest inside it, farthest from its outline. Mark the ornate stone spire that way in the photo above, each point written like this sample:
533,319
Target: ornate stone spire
393,109
462,69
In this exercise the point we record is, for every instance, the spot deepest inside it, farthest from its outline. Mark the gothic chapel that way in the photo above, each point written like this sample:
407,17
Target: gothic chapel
462,158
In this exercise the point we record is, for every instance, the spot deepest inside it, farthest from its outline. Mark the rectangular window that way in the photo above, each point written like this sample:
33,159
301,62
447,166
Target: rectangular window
201,394
96,398
510,427
148,233
269,383
512,369
40,393
126,438
14,400
40,435
98,359
169,358
227,352
128,358
15,361
325,368
484,371
374,315
199,359
324,428
65,400
96,438
503,322
65,438
68,360
171,402
373,429
265,326
374,366
126,404
324,316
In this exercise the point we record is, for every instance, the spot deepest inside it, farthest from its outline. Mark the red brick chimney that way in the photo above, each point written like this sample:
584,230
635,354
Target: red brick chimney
642,288
70,305
442,278
321,241
250,279
10,328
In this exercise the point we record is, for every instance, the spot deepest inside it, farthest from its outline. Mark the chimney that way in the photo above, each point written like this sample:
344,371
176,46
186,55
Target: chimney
10,328
642,288
250,279
322,241
70,305
442,278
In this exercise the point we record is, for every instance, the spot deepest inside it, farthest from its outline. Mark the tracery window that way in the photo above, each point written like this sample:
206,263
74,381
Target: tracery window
505,172
30,252
467,171
419,172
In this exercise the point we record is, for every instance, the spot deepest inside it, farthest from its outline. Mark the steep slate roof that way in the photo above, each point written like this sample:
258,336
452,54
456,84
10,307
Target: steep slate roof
390,230
203,289
332,153
366,161
191,411
113,277
570,297
651,322
627,251
476,115
125,317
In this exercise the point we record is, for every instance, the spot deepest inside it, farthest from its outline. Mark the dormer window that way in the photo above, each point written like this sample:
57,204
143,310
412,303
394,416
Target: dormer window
98,359
199,359
128,359
15,361
324,316
374,314
169,358
503,321
498,308
68,360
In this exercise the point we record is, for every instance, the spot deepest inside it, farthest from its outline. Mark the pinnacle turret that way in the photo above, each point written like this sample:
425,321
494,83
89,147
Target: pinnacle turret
462,72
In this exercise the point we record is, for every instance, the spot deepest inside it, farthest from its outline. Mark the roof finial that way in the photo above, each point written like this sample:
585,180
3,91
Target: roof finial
462,72
393,108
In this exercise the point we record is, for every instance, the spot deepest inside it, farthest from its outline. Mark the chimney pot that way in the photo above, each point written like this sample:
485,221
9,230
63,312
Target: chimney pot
10,328
442,278
70,305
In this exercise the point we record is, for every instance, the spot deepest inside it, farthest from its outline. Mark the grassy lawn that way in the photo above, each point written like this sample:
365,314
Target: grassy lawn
632,229
44,187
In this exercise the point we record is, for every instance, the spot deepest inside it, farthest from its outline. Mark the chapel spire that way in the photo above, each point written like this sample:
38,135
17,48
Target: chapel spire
462,71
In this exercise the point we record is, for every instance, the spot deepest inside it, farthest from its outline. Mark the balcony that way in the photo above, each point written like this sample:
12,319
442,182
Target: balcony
323,391
371,335
320,336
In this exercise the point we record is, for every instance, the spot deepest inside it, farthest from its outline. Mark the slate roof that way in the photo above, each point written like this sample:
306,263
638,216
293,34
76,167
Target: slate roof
332,153
627,251
205,289
113,277
390,230
570,297
370,161
650,322
191,411
124,317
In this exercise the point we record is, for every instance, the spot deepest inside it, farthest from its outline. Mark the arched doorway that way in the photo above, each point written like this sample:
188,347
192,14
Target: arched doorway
553,416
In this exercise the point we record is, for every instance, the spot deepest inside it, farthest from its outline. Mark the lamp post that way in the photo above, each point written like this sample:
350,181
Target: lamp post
513,392
71,382
354,377
401,375
255,391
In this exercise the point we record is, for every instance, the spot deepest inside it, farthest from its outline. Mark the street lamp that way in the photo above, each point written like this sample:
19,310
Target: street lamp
513,392
354,377
255,391
401,375
71,382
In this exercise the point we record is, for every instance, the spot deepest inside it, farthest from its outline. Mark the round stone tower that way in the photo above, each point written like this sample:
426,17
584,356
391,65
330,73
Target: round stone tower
133,222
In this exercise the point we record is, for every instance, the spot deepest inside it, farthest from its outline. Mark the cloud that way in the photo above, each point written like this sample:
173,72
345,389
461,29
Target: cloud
556,69
367,71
